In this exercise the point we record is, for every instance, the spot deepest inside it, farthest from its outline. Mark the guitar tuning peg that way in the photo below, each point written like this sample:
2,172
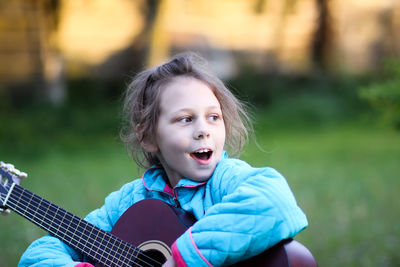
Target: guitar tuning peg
17,177
21,175
4,211
10,167
7,166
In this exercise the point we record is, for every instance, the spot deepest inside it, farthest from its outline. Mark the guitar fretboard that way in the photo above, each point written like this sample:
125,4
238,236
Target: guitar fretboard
72,230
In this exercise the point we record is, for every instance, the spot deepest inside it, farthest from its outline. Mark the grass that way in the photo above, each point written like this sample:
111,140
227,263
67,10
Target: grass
345,177
346,180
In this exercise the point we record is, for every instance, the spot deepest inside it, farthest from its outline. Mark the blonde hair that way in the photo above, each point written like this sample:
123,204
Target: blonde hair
142,106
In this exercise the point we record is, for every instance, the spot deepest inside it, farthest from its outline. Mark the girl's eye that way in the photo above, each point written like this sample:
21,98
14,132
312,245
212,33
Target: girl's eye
214,117
185,119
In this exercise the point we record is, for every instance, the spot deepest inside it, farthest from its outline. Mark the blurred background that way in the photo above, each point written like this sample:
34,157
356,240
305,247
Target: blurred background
322,78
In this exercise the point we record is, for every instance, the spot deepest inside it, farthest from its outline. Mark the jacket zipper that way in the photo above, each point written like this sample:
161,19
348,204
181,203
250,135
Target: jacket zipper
175,197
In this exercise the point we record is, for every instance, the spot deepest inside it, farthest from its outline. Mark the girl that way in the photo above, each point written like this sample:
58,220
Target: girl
180,120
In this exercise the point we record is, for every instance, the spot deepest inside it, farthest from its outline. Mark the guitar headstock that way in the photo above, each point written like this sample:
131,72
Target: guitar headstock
8,175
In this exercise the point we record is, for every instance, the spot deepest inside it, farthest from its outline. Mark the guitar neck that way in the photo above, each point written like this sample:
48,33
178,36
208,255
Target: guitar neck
72,230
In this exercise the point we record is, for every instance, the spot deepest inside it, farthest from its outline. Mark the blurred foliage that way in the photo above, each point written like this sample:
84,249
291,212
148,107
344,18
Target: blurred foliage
384,94
295,100
91,113
93,108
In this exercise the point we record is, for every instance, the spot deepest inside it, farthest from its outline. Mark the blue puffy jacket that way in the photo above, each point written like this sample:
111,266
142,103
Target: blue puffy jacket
241,211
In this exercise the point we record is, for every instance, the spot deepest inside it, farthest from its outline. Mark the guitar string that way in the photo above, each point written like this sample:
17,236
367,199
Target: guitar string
83,232
54,232
138,251
24,212
89,237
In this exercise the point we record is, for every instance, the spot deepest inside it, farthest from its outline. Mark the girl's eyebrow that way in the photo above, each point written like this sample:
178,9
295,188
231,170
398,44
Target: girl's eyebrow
214,107
190,109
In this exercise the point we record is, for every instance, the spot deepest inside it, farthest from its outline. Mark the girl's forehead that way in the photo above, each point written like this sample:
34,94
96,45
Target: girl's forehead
187,93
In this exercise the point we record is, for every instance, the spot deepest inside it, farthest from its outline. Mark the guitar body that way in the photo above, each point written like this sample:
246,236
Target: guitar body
153,226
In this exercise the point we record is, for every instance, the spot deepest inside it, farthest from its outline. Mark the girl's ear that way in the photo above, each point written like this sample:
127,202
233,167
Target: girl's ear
147,144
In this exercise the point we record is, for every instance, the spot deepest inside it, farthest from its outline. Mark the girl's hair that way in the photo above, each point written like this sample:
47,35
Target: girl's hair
142,106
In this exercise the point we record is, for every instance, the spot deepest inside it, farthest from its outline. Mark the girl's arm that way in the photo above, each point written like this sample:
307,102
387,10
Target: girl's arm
49,251
254,209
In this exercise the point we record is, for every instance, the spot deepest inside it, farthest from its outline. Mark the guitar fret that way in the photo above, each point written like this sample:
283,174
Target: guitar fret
52,221
111,247
132,253
19,198
67,237
83,233
94,242
61,221
124,252
86,245
102,246
49,221
73,241
10,190
36,214
103,249
15,204
105,242
106,246
95,238
29,202
99,242
37,208
76,229
90,245
112,257
78,237
41,223
52,225
117,250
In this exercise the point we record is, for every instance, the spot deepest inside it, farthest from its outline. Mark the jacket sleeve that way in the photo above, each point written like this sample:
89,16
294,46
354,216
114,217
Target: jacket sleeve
253,210
50,251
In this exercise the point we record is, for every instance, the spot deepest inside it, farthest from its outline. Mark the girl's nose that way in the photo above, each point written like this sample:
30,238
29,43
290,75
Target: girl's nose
201,130
201,134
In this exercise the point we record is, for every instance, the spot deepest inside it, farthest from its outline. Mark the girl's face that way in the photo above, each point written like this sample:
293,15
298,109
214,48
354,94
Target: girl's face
190,133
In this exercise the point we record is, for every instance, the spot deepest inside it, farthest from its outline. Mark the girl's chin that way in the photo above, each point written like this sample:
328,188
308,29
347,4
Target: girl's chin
201,173
200,178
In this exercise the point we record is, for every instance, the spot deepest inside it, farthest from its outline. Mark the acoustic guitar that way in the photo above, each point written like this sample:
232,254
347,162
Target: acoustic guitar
139,237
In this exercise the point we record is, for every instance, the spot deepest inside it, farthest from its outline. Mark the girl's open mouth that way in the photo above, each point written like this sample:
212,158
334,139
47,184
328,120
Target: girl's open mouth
202,156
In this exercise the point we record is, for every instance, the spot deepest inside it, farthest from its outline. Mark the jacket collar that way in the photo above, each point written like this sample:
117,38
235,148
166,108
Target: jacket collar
154,179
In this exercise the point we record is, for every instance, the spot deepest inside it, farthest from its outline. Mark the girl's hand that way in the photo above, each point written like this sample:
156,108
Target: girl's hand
18,176
84,264
170,263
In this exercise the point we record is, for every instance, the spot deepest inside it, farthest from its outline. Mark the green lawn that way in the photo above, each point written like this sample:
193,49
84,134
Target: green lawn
345,177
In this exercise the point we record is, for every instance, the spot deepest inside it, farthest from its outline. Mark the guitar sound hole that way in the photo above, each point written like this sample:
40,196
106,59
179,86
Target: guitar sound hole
151,257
